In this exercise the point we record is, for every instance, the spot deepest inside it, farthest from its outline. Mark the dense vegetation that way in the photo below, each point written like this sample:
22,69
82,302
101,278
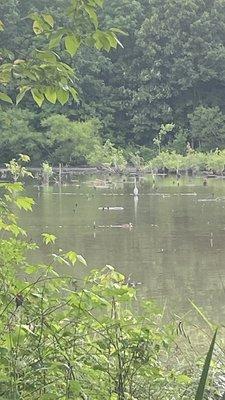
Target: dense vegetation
170,71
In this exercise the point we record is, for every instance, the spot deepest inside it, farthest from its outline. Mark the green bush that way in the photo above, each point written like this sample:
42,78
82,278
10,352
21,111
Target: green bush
71,142
17,134
207,128
107,155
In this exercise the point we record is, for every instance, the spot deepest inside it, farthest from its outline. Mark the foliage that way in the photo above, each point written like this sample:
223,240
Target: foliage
207,127
18,135
180,52
16,168
171,69
47,172
179,142
136,160
108,155
216,161
47,169
71,142
161,135
43,73
194,161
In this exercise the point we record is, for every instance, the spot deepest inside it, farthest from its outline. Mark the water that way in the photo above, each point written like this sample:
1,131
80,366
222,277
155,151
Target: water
176,248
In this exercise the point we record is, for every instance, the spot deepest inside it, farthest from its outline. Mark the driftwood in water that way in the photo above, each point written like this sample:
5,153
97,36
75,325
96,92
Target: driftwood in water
111,208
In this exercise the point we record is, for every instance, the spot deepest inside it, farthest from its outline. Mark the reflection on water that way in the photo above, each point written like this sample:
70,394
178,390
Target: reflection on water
176,247
135,207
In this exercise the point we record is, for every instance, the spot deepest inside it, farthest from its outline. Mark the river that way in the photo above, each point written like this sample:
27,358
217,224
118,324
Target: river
175,250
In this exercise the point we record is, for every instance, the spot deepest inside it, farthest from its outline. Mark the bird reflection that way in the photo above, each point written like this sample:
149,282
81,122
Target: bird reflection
135,207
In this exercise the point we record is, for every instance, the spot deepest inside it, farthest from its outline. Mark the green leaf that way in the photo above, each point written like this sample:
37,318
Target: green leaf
116,30
184,379
114,396
25,203
92,15
71,256
37,96
202,383
100,40
24,157
72,44
31,269
63,96
48,56
5,97
50,94
21,95
74,93
1,26
81,259
112,40
34,16
55,39
49,19
48,238
37,27
60,259
104,39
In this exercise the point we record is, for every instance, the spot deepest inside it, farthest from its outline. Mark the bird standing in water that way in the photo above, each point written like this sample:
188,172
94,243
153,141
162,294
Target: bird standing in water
135,188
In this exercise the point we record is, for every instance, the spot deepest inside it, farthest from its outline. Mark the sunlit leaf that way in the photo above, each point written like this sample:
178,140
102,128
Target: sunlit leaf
25,203
37,96
62,96
24,157
37,27
55,39
47,56
51,95
5,97
184,379
112,40
21,95
116,30
92,15
74,93
1,26
71,256
49,19
72,44
48,238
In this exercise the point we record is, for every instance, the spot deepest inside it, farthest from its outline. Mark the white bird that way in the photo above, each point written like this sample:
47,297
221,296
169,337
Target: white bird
135,188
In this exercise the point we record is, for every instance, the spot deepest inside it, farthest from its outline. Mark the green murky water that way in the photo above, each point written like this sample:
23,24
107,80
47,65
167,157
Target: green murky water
176,248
